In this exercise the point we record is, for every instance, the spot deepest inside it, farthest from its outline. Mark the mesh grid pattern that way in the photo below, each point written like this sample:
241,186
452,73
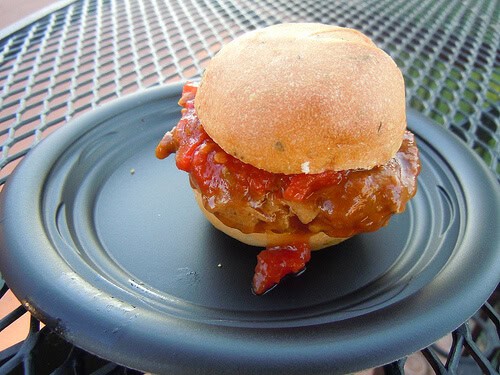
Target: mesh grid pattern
91,52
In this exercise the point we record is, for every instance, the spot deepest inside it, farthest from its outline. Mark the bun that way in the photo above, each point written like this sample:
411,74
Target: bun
304,98
317,241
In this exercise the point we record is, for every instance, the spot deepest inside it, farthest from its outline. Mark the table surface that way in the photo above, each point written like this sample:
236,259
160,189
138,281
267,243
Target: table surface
62,63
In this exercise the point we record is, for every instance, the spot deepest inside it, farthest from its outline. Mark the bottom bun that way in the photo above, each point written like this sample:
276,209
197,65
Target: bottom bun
317,241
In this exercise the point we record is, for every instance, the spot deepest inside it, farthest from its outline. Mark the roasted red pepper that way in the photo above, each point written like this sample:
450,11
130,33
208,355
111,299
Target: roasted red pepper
276,262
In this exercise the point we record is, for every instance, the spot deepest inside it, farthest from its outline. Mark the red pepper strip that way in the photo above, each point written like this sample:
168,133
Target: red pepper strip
276,262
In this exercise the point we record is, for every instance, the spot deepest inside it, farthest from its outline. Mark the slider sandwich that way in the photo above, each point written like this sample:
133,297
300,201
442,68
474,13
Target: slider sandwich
295,139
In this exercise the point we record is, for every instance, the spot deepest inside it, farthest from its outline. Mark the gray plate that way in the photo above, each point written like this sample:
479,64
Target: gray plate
106,245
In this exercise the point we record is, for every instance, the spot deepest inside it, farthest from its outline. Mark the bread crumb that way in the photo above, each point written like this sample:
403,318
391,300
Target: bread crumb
304,167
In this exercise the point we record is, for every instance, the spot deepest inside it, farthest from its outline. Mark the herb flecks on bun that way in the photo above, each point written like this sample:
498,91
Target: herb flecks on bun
295,140
306,97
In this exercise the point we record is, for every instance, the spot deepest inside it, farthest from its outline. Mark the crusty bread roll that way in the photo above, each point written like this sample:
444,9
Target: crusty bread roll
316,241
304,98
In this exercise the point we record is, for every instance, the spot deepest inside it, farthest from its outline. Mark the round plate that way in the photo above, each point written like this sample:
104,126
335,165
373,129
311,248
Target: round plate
106,245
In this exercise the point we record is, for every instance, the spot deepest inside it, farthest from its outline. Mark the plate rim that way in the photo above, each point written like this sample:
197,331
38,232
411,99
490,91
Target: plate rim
46,151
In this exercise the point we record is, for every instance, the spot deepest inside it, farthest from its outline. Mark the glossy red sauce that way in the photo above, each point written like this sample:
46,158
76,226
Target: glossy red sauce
276,262
340,204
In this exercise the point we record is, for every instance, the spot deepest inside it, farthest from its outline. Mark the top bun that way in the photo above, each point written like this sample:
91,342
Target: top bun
304,98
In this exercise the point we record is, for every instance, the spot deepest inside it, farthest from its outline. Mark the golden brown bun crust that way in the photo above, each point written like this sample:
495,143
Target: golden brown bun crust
316,241
304,98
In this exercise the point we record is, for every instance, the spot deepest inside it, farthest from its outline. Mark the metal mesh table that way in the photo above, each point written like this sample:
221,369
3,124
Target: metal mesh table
86,53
